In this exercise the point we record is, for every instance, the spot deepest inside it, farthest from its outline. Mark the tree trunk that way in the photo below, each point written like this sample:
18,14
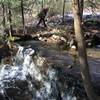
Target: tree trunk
63,13
42,4
10,18
23,19
81,7
84,67
3,22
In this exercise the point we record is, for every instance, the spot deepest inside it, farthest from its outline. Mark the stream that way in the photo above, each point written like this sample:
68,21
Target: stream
29,78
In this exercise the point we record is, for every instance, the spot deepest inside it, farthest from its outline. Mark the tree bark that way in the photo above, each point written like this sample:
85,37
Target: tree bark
84,67
10,18
3,8
42,4
23,19
81,7
63,13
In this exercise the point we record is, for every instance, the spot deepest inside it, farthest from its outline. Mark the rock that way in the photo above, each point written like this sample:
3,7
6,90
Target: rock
55,39
73,47
96,40
4,51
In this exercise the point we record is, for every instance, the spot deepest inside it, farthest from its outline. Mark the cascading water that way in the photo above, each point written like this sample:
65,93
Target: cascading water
24,80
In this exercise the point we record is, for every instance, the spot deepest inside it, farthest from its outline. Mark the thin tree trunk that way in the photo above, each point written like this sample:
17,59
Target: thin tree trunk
42,4
63,13
84,67
23,19
10,18
81,7
3,22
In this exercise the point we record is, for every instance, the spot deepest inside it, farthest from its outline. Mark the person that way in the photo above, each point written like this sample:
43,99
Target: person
42,16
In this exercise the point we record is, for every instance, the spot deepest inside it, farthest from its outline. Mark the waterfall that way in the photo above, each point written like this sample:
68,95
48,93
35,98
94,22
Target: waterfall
22,72
24,80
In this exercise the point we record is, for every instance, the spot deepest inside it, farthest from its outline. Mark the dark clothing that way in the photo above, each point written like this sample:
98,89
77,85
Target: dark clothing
43,13
40,21
42,16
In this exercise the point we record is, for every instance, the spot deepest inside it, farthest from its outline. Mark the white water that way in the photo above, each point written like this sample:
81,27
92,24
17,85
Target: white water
26,71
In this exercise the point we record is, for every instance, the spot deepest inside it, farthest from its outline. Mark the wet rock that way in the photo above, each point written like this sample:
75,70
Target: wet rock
96,40
92,40
19,92
4,51
92,23
2,97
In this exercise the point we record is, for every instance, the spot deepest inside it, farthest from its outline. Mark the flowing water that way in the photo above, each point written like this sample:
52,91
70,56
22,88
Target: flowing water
27,80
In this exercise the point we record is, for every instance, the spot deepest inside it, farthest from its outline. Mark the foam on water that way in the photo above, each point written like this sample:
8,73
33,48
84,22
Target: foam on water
25,76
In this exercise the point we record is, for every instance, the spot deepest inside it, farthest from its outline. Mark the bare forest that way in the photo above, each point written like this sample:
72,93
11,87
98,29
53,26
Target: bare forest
49,49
